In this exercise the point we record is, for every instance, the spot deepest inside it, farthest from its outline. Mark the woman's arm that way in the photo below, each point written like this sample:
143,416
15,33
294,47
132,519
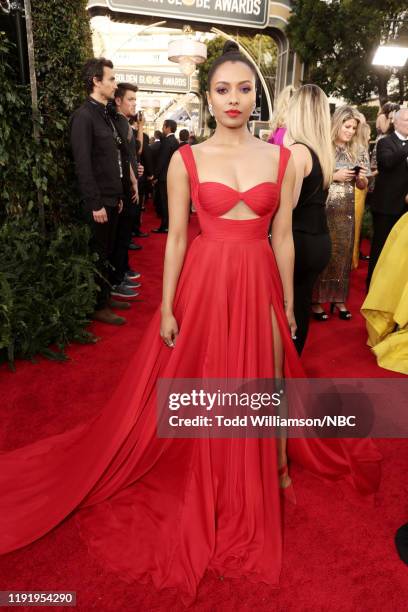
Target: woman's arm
382,123
364,163
178,191
282,241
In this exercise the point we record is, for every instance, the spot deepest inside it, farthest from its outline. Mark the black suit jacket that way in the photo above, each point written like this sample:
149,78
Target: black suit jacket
155,152
146,157
96,155
391,184
169,146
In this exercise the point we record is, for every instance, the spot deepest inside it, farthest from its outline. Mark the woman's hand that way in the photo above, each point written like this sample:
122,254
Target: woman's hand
291,321
169,329
361,179
344,175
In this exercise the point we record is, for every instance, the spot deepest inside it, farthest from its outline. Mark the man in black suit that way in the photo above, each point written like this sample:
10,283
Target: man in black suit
124,108
391,186
169,145
155,149
144,156
155,152
96,148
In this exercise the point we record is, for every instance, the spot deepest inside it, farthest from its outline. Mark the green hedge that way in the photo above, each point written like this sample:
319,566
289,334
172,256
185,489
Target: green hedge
46,280
18,152
47,289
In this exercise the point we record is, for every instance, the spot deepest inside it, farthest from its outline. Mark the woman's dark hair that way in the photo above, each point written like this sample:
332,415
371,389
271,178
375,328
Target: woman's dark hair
388,107
158,135
230,53
184,135
93,68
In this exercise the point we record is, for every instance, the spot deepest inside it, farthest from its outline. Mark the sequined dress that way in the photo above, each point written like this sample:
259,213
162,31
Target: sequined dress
333,283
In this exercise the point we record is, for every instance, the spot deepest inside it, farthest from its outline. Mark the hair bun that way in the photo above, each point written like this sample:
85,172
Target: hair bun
230,47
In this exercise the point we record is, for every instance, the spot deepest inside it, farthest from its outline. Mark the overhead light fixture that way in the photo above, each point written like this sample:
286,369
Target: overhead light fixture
187,52
390,55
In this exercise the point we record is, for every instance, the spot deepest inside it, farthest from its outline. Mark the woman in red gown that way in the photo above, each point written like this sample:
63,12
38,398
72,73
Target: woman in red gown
167,510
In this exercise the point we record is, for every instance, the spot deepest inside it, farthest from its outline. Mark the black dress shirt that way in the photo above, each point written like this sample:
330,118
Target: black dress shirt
96,155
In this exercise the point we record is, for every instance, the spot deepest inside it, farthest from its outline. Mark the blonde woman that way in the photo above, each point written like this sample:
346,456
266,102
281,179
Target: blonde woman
360,194
351,168
308,122
278,125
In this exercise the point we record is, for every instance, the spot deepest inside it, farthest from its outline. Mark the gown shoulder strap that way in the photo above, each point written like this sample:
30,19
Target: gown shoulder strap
284,157
189,162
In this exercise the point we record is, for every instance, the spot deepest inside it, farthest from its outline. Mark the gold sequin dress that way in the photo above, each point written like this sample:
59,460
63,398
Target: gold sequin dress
333,283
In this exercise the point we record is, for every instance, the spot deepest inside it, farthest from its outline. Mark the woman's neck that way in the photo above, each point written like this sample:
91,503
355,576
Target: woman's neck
231,137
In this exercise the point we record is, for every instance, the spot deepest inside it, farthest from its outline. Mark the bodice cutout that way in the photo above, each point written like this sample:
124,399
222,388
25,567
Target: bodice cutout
218,199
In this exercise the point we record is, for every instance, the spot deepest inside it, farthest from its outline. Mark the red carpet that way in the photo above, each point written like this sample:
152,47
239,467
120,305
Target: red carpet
339,551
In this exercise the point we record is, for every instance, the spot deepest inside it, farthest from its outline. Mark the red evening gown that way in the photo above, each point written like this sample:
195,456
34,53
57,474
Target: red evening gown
167,510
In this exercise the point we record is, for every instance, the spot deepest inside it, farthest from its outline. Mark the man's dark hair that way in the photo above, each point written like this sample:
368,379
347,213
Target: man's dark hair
122,88
158,134
183,136
169,123
93,69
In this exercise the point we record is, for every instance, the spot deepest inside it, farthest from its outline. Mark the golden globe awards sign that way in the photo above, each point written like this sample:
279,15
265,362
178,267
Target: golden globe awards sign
247,13
154,81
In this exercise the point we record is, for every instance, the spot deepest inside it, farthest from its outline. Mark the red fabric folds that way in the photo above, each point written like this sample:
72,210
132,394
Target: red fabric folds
167,510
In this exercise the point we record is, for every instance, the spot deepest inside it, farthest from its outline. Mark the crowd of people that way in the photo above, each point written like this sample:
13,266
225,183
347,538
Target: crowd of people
118,168
326,254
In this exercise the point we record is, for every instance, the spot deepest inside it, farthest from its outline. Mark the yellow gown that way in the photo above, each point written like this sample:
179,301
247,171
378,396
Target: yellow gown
386,305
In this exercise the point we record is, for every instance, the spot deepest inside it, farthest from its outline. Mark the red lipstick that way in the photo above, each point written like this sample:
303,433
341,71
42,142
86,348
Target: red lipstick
233,113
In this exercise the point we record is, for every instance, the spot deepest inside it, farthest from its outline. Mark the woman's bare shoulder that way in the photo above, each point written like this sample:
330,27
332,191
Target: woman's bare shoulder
203,146
177,166
272,151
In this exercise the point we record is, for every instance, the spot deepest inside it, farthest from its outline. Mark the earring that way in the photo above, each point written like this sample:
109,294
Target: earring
210,108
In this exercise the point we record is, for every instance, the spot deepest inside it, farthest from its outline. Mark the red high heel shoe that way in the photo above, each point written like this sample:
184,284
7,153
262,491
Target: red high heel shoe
288,492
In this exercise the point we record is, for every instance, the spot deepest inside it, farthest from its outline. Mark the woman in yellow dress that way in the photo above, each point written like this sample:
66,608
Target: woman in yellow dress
386,305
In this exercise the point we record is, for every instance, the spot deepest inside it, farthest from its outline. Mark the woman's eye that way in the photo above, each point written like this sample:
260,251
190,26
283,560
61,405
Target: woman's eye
221,90
246,89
